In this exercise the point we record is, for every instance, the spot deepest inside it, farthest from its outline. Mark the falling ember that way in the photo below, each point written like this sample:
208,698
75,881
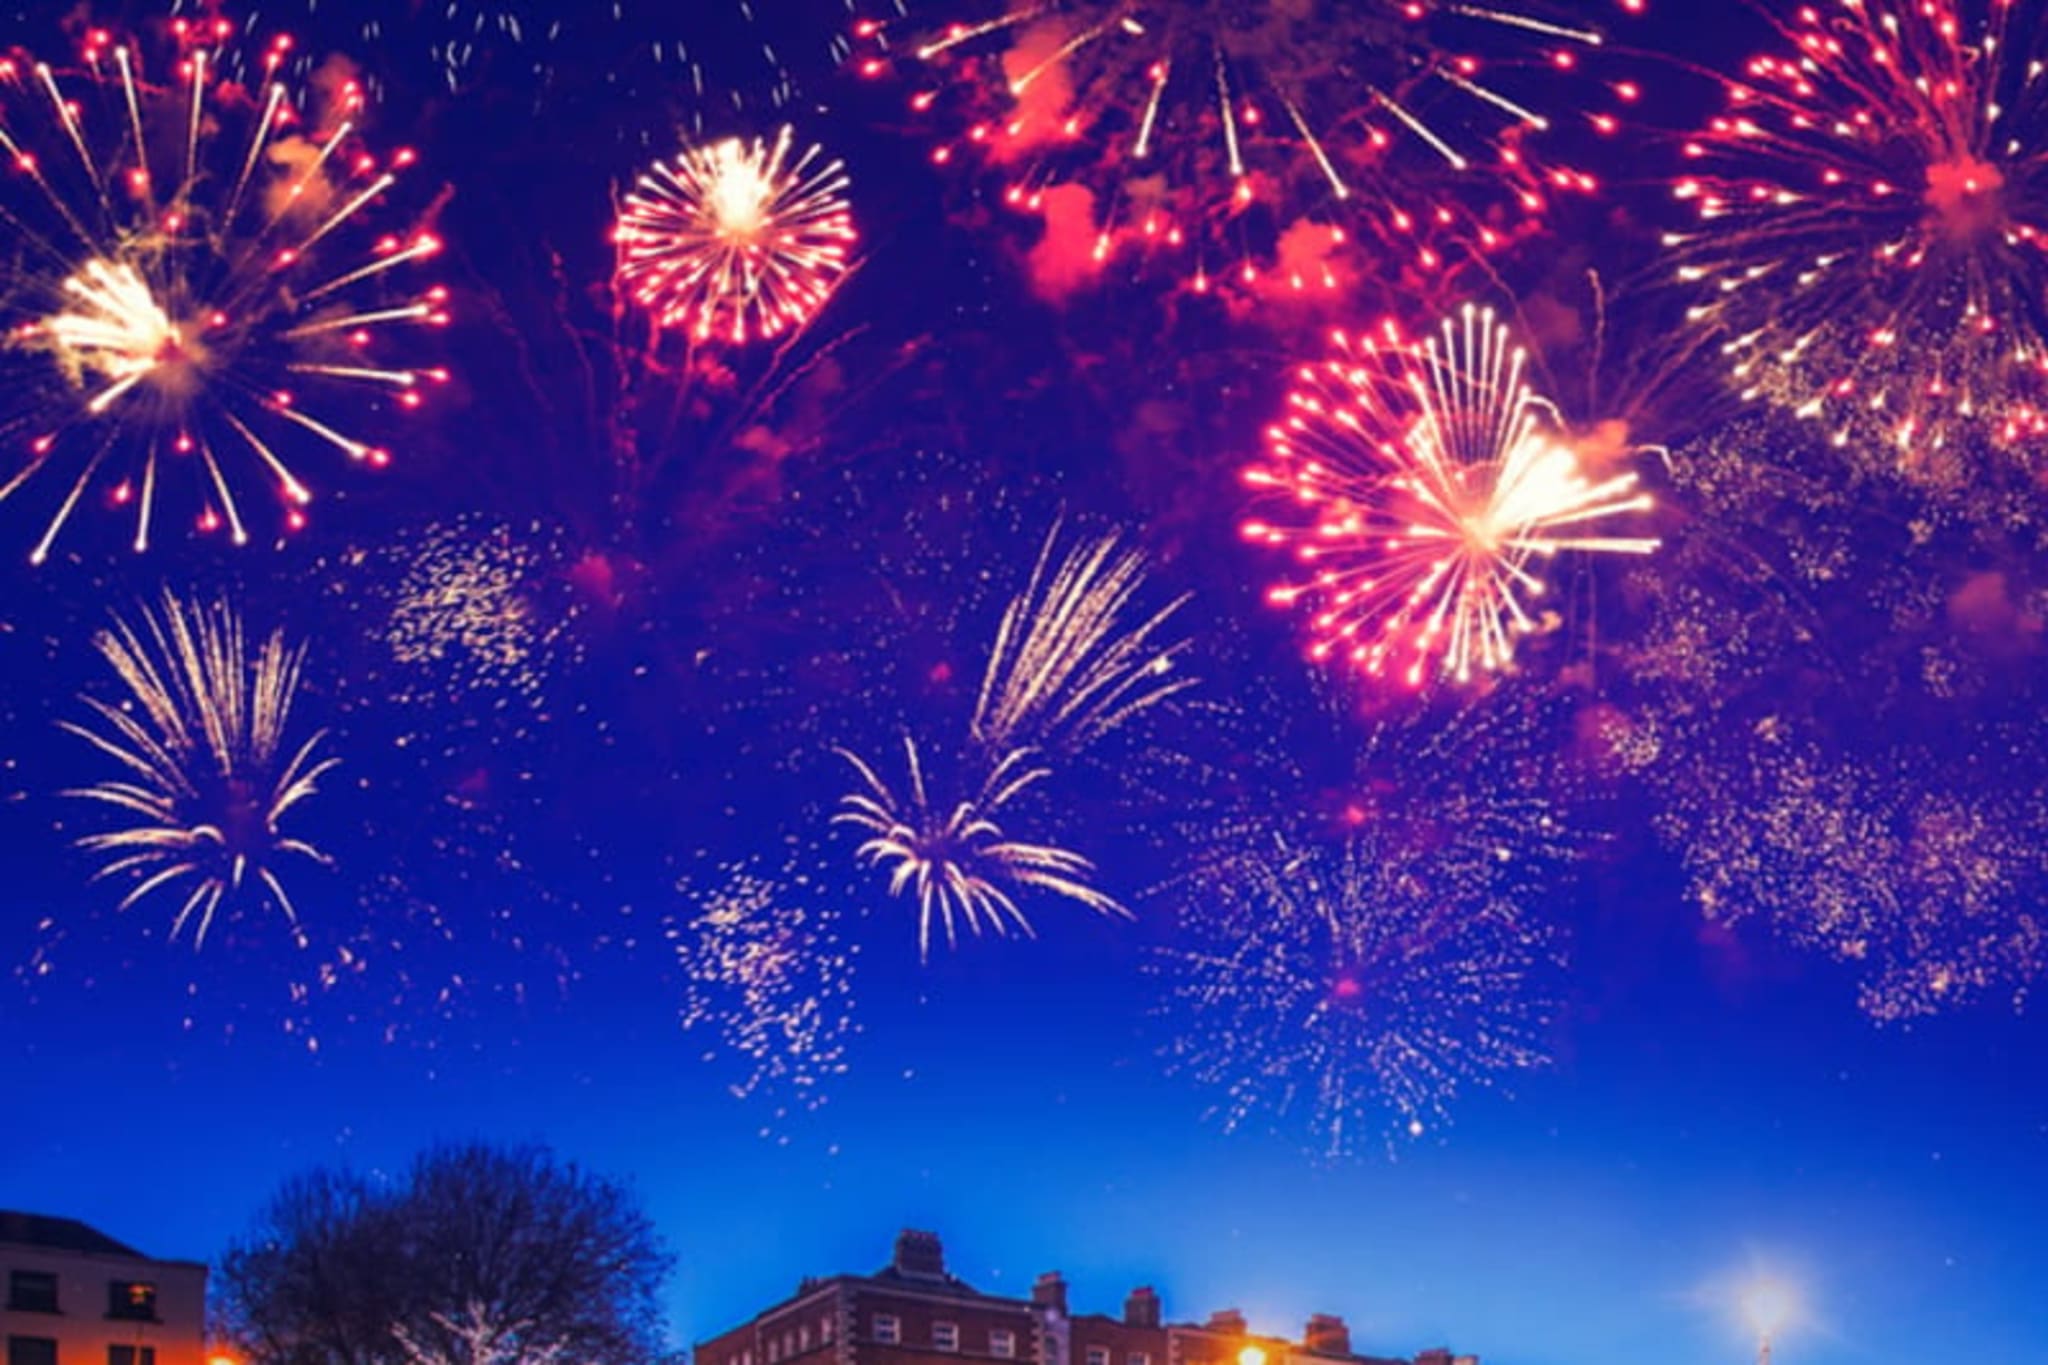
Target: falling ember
206,776
1871,208
200,296
736,240
1423,486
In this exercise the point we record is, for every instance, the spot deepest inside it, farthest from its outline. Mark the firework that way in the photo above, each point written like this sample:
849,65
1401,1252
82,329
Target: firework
661,60
953,858
1071,662
1221,125
1871,212
1812,697
1350,985
1428,483
1926,891
735,239
766,970
474,613
198,289
209,779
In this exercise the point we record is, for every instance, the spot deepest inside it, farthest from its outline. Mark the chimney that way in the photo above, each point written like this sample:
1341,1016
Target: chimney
1439,1356
1141,1309
1227,1322
1326,1335
919,1254
1051,1292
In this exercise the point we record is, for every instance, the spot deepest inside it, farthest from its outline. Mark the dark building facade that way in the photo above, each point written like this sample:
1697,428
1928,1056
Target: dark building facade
75,1296
914,1312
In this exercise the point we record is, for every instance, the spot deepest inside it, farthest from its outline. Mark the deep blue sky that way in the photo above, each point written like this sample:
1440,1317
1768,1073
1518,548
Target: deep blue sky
1718,1103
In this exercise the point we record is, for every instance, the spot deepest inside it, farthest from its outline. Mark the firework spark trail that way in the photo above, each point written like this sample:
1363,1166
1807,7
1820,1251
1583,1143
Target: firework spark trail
1344,986
1872,207
736,240
175,311
1793,699
1069,665
1923,891
1425,484
953,858
765,969
1181,120
208,782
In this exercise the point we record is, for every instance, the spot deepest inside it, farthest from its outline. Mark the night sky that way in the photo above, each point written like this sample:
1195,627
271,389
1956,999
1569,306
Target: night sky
661,588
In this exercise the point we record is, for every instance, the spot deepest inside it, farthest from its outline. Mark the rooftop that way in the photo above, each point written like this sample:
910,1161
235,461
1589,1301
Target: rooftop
60,1234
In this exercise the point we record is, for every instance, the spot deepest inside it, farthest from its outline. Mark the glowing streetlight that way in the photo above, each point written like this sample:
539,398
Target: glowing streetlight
1252,1355
1768,1305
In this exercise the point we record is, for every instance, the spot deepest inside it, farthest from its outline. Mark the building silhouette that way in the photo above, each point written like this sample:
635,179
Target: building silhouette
75,1296
914,1312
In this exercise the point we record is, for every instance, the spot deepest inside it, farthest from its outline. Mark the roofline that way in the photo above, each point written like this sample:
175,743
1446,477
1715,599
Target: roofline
895,1287
131,1256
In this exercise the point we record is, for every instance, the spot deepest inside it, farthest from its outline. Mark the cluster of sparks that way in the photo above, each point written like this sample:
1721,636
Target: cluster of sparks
1872,207
208,772
469,614
736,240
1074,659
1426,486
1913,886
1336,986
199,290
1229,128
765,968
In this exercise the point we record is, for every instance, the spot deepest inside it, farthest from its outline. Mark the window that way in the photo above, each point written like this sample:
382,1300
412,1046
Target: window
1002,1343
946,1336
803,1337
131,1355
774,1351
888,1329
825,1328
1098,1355
31,1291
788,1345
131,1299
31,1351
1138,1358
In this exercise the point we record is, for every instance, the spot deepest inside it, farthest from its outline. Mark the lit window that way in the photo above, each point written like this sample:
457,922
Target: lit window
887,1329
134,1300
1098,1355
946,1336
1002,1343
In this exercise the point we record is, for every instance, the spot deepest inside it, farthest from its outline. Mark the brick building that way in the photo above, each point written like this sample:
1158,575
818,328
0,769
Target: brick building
75,1296
913,1312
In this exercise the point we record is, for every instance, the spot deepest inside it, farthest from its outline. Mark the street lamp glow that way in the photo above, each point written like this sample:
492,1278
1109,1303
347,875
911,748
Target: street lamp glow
1768,1305
1252,1355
